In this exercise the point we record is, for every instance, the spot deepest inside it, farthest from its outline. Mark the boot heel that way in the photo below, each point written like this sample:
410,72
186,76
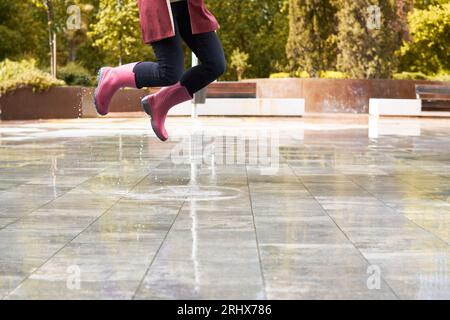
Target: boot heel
148,110
146,106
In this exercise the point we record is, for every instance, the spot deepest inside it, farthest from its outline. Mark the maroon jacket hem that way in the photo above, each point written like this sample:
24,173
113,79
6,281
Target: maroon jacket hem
156,22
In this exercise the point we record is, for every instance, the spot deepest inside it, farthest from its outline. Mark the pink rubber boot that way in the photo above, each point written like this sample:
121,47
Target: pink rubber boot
158,105
109,81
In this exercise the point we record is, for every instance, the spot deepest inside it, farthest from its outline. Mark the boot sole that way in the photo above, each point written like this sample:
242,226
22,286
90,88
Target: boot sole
148,110
99,79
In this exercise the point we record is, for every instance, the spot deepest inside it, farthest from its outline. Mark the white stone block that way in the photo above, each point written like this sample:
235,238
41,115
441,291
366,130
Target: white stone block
395,107
244,107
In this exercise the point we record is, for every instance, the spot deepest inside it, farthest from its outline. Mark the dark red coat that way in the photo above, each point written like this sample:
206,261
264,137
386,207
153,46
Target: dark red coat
157,21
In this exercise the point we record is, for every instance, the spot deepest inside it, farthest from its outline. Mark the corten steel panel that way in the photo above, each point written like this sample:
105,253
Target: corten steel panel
338,95
279,88
397,89
128,100
56,103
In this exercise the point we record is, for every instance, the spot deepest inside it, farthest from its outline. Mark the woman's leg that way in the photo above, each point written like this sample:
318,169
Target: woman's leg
169,67
208,49
165,72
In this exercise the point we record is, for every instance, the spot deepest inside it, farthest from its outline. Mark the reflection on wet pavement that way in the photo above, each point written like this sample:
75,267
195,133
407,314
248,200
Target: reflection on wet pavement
230,208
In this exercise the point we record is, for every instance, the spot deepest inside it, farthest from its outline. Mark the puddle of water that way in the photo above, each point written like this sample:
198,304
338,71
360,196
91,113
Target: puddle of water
185,193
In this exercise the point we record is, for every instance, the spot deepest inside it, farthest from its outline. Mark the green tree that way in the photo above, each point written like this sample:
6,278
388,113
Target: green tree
367,39
109,32
259,28
239,61
403,7
117,31
66,27
428,51
423,4
22,30
77,43
311,45
52,8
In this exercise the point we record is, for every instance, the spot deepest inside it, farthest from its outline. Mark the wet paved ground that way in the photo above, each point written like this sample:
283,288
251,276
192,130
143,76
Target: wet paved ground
229,208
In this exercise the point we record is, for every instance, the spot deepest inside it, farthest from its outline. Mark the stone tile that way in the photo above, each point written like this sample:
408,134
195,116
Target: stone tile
200,279
36,289
6,221
300,230
210,245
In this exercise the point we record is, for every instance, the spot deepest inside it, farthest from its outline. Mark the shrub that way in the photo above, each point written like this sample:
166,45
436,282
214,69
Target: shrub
301,74
304,74
239,61
410,76
76,75
280,75
15,75
333,75
442,76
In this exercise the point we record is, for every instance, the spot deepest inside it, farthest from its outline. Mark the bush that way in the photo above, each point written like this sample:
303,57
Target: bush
332,75
280,75
75,75
304,74
15,75
301,74
442,76
410,76
239,62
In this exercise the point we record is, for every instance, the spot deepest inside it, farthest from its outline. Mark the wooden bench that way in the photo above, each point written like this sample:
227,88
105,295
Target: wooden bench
226,90
434,97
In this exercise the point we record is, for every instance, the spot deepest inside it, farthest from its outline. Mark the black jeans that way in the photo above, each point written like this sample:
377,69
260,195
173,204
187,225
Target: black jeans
169,52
